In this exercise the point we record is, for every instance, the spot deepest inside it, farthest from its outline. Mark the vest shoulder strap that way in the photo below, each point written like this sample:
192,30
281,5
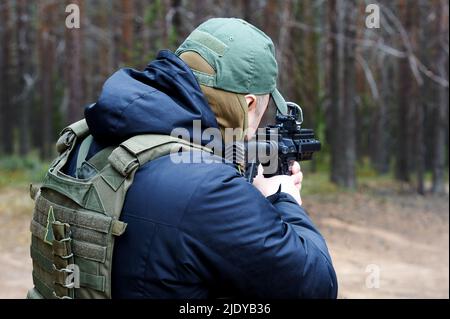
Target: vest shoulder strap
68,135
140,149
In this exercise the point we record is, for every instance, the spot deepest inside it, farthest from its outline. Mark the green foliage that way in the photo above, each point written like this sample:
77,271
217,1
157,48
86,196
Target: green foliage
153,12
369,180
173,38
17,170
317,183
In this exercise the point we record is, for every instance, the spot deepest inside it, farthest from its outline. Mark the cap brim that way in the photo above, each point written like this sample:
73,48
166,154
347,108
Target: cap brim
279,102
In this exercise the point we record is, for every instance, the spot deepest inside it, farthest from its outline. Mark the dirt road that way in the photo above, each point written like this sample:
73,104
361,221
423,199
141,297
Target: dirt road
383,246
386,246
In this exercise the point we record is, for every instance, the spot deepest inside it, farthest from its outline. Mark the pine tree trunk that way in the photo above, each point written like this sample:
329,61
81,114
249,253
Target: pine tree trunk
6,109
177,24
46,70
114,22
380,155
418,40
74,70
247,11
441,120
24,67
348,105
283,47
332,92
127,31
270,20
403,165
344,121
311,72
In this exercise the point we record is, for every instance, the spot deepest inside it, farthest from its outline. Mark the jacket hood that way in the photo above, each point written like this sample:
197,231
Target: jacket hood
164,96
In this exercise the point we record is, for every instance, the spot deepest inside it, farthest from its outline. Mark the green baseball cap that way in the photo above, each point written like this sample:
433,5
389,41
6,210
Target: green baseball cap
242,56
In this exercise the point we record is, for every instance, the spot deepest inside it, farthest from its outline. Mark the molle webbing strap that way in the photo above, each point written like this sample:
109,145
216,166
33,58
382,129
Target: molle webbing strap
33,293
89,280
80,248
62,261
75,217
52,266
43,289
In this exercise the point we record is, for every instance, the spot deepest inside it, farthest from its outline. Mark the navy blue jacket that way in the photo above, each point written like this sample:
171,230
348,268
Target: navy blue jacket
199,230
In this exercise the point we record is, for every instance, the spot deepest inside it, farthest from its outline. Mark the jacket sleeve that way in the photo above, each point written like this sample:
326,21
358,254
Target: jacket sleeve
242,242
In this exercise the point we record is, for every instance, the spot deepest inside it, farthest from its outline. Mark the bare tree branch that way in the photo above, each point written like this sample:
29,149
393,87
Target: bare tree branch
369,77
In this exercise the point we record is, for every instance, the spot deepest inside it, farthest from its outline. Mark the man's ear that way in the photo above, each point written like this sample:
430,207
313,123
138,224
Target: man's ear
251,101
252,116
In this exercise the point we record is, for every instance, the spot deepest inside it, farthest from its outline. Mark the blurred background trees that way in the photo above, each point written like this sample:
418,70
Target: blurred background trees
376,97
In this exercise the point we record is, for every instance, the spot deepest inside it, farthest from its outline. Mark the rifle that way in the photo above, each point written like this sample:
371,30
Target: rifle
279,145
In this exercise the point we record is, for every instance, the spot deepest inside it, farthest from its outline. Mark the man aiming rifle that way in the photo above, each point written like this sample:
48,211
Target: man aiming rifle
138,225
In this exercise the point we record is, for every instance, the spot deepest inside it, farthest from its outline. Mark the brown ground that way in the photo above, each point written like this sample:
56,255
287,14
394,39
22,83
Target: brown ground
406,236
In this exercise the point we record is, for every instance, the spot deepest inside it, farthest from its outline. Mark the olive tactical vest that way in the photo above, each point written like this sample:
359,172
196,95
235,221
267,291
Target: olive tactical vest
76,220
